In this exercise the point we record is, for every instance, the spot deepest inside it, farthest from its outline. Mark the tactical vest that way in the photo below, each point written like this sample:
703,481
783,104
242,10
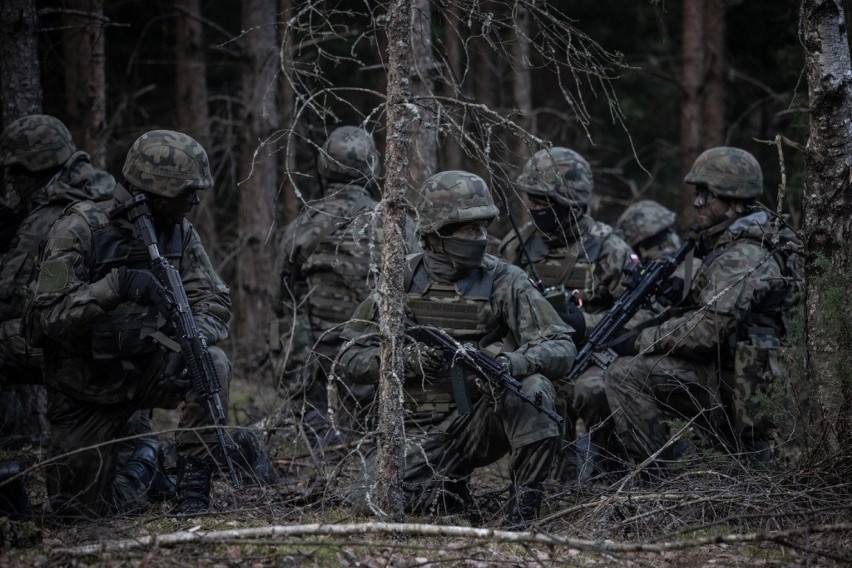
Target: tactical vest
570,266
119,333
338,267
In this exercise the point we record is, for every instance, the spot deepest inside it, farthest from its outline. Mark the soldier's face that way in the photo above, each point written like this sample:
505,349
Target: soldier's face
709,209
172,211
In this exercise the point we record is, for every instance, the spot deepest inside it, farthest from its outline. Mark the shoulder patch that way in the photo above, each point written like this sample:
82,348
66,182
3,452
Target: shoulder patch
53,276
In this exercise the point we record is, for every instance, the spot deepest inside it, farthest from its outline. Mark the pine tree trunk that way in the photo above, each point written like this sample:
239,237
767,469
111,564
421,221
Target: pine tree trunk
258,172
85,77
191,103
287,107
399,124
692,78
424,156
23,408
828,209
714,90
452,151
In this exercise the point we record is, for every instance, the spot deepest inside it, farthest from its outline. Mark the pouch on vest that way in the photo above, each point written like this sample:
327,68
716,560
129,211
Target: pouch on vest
119,333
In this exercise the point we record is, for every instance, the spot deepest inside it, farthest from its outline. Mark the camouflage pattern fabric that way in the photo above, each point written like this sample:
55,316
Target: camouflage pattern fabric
98,366
77,181
445,446
559,174
739,291
727,172
36,143
649,228
349,155
166,163
453,197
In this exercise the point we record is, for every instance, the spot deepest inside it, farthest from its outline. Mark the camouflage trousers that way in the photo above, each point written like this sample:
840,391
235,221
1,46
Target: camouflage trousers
86,439
444,447
19,363
644,392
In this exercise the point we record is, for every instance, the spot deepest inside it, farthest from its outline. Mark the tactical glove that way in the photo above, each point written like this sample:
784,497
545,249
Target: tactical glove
141,287
420,360
574,317
625,345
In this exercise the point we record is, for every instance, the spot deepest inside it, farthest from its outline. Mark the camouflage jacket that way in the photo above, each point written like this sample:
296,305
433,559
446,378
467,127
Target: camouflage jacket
327,253
739,288
95,345
77,181
605,253
514,307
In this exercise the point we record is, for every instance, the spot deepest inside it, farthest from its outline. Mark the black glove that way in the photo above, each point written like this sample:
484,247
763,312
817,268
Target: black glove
671,293
419,359
625,345
141,287
573,316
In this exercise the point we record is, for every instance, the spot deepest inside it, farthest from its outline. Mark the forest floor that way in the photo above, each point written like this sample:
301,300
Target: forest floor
709,510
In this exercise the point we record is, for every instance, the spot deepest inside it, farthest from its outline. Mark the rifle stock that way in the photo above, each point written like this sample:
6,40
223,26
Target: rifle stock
625,308
199,363
474,361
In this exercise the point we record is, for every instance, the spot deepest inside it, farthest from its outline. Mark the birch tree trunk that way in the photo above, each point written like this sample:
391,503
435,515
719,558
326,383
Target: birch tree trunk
85,77
191,102
400,121
692,77
23,408
258,172
828,220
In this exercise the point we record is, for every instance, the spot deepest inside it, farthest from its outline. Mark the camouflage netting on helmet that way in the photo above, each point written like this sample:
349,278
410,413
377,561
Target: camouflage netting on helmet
727,172
349,154
644,219
35,143
165,163
453,196
559,174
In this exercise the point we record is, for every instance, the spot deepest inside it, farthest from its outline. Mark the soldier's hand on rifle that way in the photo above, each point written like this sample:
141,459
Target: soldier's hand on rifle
419,360
625,345
574,317
141,287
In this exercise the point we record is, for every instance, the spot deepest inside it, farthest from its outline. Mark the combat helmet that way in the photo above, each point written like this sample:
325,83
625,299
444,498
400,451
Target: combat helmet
166,163
727,172
643,220
559,174
37,142
453,196
349,154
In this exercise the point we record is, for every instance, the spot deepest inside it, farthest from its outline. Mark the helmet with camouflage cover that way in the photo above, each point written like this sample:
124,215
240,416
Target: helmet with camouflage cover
727,172
349,154
559,174
451,197
644,219
36,142
166,163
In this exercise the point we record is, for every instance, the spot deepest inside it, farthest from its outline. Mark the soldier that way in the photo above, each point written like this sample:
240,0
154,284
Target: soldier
94,311
327,254
719,353
649,229
577,257
474,297
47,173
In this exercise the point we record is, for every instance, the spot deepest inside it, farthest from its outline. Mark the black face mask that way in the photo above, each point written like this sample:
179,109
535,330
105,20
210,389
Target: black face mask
546,219
464,254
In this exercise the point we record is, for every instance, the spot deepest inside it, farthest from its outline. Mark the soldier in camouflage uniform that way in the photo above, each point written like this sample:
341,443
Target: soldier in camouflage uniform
574,254
95,311
47,173
474,297
716,355
649,229
327,254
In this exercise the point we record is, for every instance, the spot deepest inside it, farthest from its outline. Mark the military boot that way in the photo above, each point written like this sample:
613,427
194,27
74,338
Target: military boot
134,478
524,507
14,501
252,459
193,485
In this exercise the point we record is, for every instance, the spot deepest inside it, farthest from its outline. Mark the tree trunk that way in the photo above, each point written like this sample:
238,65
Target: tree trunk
191,104
85,77
522,95
23,408
424,156
453,157
828,210
692,78
258,173
401,69
287,106
714,91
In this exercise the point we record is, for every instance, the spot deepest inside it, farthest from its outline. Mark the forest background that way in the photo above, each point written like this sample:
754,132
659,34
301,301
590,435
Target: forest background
638,88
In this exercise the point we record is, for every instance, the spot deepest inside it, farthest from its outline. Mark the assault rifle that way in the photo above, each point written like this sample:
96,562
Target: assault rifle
193,347
474,361
648,282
